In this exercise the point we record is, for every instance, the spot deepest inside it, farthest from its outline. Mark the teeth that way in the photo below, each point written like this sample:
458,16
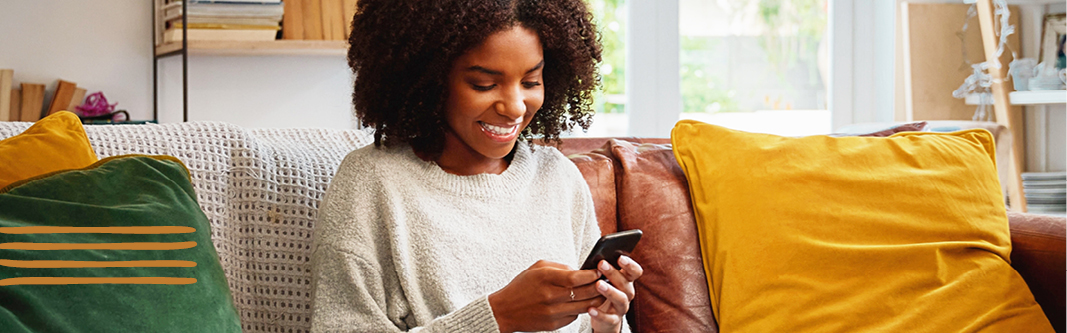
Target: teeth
497,129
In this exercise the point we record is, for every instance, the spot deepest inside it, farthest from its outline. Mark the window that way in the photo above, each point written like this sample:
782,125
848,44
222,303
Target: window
755,65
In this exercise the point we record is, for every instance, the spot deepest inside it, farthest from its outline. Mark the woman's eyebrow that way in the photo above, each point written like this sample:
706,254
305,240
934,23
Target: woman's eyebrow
483,70
539,65
495,72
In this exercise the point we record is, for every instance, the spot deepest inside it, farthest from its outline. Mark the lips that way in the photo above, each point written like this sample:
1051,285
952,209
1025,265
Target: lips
500,133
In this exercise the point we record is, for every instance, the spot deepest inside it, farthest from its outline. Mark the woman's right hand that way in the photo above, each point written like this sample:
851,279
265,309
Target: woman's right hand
545,297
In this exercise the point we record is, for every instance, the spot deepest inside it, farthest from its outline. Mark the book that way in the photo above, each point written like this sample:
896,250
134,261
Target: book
349,12
5,93
265,10
76,101
293,20
226,23
175,35
61,99
312,19
230,26
31,101
16,104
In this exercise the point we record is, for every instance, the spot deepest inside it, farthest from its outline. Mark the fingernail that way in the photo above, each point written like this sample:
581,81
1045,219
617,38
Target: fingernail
624,260
601,285
593,312
604,265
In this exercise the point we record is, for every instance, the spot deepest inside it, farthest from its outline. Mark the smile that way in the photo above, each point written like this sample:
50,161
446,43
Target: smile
500,133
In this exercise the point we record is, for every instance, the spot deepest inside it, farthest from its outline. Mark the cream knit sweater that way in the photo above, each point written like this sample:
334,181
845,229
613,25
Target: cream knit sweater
401,245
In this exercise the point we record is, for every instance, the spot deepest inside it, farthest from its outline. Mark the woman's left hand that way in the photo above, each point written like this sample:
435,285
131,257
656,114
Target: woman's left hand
608,316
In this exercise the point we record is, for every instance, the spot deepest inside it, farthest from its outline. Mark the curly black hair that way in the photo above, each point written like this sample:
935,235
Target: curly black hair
402,52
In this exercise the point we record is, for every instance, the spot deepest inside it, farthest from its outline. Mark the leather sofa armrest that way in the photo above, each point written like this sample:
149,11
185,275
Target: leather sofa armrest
1039,254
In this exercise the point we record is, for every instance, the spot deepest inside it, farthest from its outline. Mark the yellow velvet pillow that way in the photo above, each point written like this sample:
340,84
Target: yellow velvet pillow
854,234
54,143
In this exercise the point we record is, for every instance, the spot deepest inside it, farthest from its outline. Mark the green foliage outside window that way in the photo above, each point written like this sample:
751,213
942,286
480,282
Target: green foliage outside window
702,88
795,28
611,21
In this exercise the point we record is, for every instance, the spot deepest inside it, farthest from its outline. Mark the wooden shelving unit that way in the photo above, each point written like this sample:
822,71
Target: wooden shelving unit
257,48
1004,97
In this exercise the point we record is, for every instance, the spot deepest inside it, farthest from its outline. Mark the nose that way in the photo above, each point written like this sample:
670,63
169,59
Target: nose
512,104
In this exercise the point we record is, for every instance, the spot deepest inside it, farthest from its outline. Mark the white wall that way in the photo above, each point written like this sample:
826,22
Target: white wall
102,45
260,91
105,45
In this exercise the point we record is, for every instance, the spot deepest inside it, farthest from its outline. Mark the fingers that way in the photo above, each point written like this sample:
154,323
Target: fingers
578,307
604,321
618,280
630,269
605,318
581,293
564,276
616,300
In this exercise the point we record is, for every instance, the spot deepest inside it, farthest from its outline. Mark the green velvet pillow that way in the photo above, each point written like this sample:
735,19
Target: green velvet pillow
119,246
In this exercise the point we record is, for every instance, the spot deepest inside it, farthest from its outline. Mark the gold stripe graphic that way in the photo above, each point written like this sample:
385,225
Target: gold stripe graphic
86,264
98,230
98,246
95,280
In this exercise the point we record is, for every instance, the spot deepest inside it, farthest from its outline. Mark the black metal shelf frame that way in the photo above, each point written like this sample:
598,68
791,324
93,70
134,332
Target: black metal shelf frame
184,52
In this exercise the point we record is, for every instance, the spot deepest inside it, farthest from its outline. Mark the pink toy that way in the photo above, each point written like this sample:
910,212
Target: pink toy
96,105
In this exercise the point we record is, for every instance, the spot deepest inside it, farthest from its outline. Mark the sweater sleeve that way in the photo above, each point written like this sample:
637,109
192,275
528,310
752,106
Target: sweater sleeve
349,297
354,285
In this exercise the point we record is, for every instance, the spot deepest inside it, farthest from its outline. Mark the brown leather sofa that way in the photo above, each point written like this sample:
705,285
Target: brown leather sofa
637,184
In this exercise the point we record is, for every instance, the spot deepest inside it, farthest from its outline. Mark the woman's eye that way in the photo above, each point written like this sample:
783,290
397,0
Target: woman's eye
483,88
531,84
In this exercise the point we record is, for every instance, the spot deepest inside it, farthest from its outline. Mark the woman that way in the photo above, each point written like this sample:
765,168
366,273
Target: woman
436,225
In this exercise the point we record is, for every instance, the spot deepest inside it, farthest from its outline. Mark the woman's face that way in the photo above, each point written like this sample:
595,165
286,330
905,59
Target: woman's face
494,90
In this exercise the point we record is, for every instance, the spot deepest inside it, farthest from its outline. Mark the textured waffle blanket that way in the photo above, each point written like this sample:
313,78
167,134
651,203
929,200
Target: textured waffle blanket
261,189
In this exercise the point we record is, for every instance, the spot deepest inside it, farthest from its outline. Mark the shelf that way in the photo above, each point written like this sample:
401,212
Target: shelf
1037,97
247,48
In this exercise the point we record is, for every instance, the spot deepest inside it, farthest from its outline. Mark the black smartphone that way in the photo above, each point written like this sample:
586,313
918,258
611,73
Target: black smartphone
610,247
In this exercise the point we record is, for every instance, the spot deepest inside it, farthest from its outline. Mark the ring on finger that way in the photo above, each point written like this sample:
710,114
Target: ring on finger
572,295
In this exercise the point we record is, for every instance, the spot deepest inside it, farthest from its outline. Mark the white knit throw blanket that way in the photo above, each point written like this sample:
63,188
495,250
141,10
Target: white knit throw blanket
261,189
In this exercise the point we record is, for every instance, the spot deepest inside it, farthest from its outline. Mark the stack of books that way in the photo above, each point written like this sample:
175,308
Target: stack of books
223,20
1046,192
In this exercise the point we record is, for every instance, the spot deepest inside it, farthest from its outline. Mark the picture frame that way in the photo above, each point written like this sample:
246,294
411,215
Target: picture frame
1052,41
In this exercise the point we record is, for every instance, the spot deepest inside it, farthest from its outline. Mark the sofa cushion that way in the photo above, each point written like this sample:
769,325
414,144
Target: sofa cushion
123,212
906,233
57,142
570,146
599,175
672,295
